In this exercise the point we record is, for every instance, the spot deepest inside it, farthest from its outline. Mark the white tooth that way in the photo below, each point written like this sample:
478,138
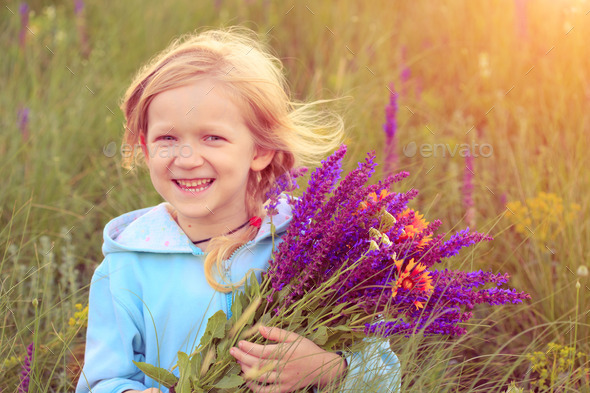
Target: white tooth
194,183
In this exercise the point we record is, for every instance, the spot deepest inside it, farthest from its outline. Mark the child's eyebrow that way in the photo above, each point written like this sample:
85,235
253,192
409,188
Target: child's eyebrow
213,126
161,128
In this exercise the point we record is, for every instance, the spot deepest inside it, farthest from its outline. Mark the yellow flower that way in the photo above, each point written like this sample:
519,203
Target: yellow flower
80,317
555,361
542,217
12,361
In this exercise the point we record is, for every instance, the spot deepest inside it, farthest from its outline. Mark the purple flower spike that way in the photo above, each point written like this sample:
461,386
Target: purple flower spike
384,252
284,183
390,128
81,25
23,9
405,73
25,374
468,190
78,6
23,122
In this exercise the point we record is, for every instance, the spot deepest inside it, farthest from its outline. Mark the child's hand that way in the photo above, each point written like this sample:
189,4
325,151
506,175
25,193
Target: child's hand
295,363
150,390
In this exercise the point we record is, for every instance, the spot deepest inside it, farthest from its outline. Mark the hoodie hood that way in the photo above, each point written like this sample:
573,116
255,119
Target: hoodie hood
154,230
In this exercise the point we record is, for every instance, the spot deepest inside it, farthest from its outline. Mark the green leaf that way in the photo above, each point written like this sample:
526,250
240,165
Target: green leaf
233,367
229,382
215,328
266,318
237,305
208,360
184,384
336,310
223,348
320,336
343,328
333,341
158,374
195,364
254,286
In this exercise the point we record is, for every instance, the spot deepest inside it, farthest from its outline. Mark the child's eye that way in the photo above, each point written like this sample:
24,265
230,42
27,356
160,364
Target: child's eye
165,138
213,138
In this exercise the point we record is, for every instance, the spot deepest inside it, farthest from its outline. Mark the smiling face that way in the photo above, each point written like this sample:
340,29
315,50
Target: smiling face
200,152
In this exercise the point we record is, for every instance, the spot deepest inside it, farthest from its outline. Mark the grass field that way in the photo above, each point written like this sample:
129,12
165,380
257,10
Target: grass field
505,79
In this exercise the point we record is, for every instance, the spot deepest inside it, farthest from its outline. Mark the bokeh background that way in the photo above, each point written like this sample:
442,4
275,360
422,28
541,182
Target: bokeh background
488,104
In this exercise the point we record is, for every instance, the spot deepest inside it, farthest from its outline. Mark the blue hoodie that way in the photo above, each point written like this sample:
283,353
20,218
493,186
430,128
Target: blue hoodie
149,299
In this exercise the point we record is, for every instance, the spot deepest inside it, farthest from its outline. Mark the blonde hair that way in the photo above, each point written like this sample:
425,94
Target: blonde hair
298,133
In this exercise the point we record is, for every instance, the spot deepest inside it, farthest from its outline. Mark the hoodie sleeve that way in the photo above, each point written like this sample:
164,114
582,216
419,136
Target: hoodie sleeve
113,340
376,368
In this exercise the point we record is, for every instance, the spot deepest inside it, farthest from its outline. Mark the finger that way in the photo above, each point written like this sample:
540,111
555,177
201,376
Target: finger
279,335
245,358
262,375
258,350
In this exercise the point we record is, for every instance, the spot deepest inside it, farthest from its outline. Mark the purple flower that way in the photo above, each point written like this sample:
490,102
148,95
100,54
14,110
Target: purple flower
23,9
468,190
78,6
331,233
283,184
81,25
25,374
455,294
390,128
503,201
405,73
23,122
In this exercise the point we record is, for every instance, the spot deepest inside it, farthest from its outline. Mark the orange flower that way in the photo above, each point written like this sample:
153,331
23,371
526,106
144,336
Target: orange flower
413,277
372,198
417,226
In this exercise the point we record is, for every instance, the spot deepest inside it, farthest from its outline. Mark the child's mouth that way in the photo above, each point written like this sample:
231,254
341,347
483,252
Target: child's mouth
193,185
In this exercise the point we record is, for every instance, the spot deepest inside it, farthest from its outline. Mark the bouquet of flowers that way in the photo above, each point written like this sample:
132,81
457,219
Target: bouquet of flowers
354,262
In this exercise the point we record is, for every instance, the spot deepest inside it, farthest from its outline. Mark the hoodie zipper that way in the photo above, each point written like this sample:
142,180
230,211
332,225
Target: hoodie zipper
226,268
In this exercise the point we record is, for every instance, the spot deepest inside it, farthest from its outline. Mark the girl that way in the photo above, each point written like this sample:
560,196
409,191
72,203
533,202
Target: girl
212,119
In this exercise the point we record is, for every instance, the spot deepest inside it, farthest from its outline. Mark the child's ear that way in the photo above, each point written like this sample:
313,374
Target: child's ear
261,159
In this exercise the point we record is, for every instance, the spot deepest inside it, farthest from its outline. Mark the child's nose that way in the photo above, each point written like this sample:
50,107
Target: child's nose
188,156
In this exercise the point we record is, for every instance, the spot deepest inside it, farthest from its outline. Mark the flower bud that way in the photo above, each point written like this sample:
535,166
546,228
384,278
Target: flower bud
373,245
374,233
387,221
582,271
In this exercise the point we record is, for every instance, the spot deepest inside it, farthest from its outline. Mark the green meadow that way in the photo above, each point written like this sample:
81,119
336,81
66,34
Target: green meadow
505,80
